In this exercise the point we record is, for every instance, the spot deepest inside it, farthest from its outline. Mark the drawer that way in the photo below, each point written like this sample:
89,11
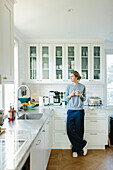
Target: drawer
61,138
95,124
95,138
60,124
94,113
60,114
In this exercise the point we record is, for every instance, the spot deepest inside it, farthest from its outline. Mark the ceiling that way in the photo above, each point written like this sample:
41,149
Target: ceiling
64,19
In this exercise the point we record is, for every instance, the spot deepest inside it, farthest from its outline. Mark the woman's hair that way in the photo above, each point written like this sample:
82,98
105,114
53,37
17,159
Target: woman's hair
76,74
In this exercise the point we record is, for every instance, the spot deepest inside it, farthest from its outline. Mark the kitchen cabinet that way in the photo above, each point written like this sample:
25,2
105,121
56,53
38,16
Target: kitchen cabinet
95,124
91,62
85,61
97,62
7,41
41,148
54,62
37,152
47,141
45,64
60,138
33,60
96,128
58,62
70,59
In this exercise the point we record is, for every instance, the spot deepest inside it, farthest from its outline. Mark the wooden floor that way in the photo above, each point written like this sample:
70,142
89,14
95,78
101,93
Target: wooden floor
61,159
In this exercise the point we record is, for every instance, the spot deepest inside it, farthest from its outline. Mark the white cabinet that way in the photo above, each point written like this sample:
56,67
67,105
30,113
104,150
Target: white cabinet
54,62
91,56
96,128
85,61
6,41
95,124
41,148
71,53
45,64
37,152
60,138
47,141
59,62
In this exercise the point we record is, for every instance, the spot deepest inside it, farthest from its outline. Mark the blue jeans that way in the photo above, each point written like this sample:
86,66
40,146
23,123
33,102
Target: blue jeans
75,129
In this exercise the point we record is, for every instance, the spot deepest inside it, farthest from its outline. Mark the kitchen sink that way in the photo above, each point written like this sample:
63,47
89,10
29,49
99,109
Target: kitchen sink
31,116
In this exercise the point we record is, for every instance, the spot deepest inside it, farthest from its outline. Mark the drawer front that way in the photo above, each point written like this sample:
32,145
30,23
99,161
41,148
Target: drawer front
94,124
60,114
95,138
94,113
61,138
60,124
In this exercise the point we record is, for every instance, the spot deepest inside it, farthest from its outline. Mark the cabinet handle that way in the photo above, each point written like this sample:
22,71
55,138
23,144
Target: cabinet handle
93,134
43,131
48,122
38,142
93,120
5,78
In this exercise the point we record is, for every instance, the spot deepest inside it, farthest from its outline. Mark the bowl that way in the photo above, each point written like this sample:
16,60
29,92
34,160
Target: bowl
30,106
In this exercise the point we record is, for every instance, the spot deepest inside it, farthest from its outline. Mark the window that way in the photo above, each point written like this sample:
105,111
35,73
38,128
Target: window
110,79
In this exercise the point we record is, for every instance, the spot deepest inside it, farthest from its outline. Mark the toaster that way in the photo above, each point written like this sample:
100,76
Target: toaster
94,101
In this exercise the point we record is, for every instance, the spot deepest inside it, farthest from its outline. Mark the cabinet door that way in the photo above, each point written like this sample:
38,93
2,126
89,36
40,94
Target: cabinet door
85,61
7,41
96,62
47,141
33,55
59,62
37,153
70,60
45,62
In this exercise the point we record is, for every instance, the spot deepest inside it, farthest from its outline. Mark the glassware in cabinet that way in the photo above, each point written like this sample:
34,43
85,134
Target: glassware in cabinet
96,56
71,60
84,62
59,62
45,62
33,62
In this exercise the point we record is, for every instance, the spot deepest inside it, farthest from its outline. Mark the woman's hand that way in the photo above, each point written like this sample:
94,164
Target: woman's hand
78,93
72,94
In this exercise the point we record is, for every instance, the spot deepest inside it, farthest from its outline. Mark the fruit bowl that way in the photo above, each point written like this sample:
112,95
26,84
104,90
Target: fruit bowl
30,106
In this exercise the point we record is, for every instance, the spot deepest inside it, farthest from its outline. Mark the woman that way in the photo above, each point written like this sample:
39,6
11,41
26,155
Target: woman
76,95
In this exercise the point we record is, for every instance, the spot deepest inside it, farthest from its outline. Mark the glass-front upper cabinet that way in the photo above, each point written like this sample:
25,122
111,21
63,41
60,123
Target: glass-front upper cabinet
33,62
84,54
70,59
97,53
45,62
59,63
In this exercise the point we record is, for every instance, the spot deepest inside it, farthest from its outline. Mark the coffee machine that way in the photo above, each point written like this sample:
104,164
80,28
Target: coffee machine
56,98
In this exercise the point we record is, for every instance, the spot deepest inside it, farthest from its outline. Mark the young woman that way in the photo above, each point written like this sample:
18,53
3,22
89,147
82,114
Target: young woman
76,95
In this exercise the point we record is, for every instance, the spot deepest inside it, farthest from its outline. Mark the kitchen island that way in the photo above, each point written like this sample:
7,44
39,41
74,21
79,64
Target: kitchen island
16,142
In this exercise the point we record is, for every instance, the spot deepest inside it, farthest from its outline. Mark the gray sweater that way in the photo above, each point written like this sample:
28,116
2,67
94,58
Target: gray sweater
75,102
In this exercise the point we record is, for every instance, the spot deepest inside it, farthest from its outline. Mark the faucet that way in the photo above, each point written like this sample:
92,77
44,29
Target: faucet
18,94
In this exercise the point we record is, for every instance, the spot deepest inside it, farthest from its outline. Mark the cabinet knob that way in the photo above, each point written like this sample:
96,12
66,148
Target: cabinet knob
38,142
5,78
43,131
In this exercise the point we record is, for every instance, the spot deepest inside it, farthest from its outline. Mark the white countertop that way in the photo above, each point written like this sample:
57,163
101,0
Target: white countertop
20,129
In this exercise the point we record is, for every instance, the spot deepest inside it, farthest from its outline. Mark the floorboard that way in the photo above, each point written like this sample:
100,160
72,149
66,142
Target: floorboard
61,159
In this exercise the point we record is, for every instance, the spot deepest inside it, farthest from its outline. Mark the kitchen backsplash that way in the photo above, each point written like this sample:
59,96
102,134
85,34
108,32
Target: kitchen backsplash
43,90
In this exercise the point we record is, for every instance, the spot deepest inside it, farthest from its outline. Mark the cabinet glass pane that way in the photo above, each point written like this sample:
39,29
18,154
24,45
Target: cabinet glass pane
33,62
59,62
84,62
45,62
96,62
71,60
